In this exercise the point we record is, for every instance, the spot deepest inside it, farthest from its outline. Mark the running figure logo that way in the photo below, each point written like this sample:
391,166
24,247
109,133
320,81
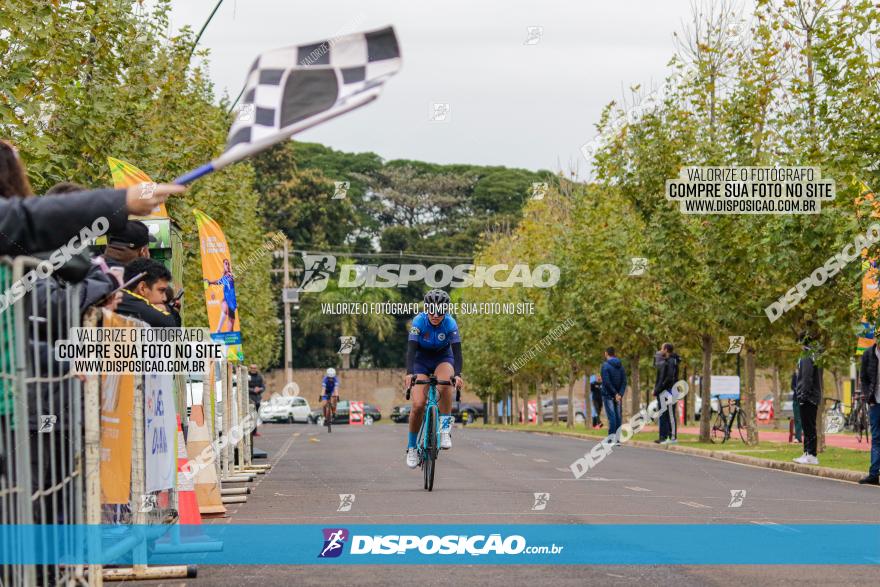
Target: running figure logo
736,344
317,272
47,422
346,500
541,501
639,266
737,497
334,540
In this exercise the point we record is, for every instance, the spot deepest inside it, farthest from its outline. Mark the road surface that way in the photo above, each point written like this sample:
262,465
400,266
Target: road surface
492,476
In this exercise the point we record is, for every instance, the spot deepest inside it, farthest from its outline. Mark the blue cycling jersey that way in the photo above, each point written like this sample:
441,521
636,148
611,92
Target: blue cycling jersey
434,339
330,386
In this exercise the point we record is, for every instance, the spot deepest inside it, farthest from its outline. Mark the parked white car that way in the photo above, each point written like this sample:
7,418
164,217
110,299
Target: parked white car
285,409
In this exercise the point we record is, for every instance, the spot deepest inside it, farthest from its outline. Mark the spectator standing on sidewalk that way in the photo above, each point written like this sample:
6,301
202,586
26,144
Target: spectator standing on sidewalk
796,409
666,362
613,388
256,387
809,397
596,399
870,377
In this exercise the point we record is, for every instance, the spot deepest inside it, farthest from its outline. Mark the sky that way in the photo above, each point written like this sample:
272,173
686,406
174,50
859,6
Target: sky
511,102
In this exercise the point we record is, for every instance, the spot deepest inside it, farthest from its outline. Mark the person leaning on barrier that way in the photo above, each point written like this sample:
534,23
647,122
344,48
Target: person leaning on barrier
145,299
29,224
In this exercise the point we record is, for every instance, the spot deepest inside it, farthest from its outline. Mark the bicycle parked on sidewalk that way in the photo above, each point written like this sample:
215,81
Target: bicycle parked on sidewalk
858,418
723,422
428,444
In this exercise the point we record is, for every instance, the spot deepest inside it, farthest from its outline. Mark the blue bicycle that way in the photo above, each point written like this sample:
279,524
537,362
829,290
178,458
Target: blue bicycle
429,434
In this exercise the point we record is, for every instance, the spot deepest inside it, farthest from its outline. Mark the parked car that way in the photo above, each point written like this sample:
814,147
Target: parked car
474,410
371,413
285,409
400,414
580,412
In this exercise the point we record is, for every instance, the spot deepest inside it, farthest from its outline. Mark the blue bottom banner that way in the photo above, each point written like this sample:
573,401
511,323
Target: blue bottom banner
284,544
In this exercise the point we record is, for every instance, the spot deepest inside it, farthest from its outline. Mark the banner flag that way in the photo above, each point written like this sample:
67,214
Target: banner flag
219,283
870,276
126,175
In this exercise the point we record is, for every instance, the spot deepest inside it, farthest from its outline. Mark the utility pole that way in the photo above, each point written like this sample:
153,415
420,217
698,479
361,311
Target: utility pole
288,340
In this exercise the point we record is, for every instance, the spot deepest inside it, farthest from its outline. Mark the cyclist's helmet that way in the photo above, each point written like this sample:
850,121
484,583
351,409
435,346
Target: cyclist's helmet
331,372
437,302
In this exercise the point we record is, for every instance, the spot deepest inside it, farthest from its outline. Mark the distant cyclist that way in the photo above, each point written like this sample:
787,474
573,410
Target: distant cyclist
330,389
434,347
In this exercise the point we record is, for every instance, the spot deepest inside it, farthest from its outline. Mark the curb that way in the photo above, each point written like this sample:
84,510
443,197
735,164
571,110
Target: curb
719,455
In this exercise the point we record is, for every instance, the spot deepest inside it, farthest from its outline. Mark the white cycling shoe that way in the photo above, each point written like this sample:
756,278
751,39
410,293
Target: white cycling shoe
445,439
412,458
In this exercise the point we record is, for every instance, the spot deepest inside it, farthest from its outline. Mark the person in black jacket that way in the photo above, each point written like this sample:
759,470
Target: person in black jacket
596,399
796,409
870,379
145,299
613,388
809,397
666,362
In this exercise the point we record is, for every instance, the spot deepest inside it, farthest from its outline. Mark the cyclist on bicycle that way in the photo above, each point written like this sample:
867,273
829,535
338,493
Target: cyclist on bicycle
330,389
434,347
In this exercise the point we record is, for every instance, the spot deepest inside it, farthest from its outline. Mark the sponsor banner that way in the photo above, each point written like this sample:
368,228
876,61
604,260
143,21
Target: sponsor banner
471,544
160,430
219,282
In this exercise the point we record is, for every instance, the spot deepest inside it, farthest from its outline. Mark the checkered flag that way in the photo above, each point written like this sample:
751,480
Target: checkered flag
292,89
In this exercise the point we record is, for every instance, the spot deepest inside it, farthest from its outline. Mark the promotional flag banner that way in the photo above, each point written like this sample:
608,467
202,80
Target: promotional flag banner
219,282
126,175
160,428
870,276
295,88
117,407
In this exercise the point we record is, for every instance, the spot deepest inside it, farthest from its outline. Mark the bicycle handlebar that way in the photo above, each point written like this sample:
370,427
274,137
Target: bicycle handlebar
434,381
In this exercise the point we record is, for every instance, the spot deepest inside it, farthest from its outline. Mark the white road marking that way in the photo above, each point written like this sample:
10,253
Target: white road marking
518,454
693,504
637,488
541,460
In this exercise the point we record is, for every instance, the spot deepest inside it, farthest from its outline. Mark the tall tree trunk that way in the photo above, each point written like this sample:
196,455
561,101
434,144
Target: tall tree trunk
570,416
777,398
635,391
515,401
747,403
692,396
539,388
706,385
555,401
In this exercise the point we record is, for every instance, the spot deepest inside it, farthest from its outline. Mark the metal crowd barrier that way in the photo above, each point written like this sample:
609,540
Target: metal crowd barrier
41,425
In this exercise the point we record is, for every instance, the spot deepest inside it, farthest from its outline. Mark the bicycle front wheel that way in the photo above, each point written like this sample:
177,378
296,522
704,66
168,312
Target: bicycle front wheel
741,426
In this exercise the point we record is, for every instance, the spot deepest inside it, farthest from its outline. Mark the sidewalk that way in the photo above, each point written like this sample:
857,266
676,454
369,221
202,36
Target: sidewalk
838,440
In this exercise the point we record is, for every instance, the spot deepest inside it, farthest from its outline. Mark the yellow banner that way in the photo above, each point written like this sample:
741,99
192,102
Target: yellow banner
126,175
117,419
870,276
219,282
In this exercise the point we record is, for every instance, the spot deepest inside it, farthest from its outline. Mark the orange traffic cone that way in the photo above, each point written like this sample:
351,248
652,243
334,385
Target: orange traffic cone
187,504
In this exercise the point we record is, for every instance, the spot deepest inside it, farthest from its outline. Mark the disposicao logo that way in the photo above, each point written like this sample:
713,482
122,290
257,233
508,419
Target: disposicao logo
334,540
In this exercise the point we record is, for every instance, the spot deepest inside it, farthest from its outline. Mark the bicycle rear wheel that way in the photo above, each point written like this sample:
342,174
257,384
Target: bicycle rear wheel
718,432
328,416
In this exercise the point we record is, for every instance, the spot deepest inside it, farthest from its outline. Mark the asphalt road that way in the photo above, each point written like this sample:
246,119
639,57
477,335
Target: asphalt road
492,476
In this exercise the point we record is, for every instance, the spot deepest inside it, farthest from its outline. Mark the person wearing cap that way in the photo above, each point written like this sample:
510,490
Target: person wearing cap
128,244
